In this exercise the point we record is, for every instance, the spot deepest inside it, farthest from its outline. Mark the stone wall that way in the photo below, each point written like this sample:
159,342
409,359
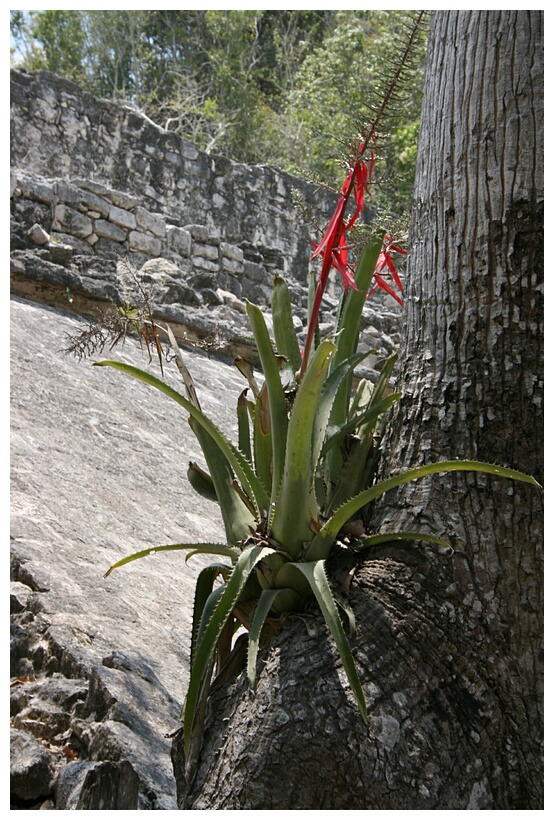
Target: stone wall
76,218
59,131
97,190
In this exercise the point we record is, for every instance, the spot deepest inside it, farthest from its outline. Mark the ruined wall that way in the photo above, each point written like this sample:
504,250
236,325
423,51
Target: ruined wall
95,185
59,131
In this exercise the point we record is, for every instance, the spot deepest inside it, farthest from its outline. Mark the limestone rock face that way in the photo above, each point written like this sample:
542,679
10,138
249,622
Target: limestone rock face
99,462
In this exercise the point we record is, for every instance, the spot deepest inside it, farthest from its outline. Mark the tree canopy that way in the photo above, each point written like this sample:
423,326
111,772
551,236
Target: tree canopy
288,88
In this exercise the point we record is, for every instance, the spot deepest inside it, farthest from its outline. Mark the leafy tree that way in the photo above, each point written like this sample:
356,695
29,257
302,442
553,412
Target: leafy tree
333,94
53,40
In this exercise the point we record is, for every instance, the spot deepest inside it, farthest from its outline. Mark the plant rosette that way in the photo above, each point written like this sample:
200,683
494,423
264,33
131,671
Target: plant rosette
304,468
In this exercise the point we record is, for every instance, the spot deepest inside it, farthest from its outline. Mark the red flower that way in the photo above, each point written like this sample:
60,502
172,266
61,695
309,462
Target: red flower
333,245
385,260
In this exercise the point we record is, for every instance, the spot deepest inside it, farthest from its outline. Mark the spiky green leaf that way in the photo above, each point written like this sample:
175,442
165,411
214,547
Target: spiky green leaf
276,396
325,538
370,541
243,423
296,504
238,519
368,415
195,548
201,482
261,435
283,325
317,577
237,460
203,659
262,611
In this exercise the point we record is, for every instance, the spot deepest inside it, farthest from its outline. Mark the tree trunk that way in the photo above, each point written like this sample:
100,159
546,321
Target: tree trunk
449,648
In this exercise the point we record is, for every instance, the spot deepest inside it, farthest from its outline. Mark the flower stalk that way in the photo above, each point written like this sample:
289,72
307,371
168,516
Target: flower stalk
333,246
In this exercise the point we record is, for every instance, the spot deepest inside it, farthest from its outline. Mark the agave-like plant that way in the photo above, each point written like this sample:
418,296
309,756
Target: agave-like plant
304,467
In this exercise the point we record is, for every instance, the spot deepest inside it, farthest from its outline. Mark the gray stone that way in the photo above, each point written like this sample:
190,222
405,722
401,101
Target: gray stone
82,246
231,300
31,767
211,297
73,125
32,188
232,252
231,265
82,198
202,234
123,218
179,240
205,251
17,265
70,783
110,786
204,264
38,235
90,185
43,719
60,252
181,294
19,595
68,220
139,241
159,269
86,785
107,229
25,213
189,150
172,158
108,247
153,223
121,199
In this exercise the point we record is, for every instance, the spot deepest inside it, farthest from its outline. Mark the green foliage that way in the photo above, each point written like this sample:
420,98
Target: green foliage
351,64
259,86
57,41
286,506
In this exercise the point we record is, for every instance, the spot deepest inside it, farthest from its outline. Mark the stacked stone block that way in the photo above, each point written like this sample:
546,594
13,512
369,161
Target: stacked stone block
87,218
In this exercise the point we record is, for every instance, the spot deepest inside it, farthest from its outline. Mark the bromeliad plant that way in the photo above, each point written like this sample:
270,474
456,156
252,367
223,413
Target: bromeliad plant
304,469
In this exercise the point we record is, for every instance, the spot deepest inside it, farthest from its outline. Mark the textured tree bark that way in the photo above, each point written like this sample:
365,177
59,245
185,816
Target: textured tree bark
449,648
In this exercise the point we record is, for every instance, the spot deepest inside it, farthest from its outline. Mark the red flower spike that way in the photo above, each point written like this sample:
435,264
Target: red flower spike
345,271
361,176
333,246
385,260
333,227
384,285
